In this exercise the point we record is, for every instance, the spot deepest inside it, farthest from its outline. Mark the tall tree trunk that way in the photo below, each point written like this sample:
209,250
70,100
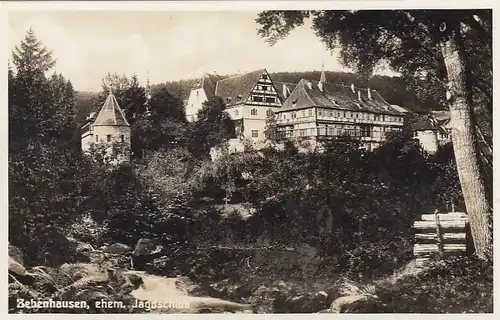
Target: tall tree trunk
465,146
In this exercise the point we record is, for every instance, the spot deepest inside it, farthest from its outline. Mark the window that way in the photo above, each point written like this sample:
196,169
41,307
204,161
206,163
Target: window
269,113
271,99
330,114
264,76
303,113
366,131
357,115
310,112
320,112
96,138
255,133
122,138
108,138
344,115
236,112
303,132
197,93
264,88
253,112
294,115
258,99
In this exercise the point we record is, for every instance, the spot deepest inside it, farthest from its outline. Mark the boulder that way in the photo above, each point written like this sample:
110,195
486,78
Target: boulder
16,254
146,250
363,303
144,247
297,304
117,248
320,301
16,268
271,299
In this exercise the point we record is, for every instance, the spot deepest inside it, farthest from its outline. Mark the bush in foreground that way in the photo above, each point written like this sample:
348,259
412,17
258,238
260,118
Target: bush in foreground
461,285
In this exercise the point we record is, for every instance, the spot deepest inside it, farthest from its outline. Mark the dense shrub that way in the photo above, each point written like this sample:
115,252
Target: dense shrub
454,286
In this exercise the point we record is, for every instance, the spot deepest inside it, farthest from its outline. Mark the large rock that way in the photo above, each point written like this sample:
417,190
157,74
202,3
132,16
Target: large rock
16,254
16,268
146,250
117,248
320,301
360,303
271,299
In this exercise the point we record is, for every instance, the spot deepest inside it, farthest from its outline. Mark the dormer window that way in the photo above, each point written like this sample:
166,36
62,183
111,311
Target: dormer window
228,99
240,96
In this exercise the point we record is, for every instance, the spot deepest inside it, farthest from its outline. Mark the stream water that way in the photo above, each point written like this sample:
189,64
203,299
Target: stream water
170,295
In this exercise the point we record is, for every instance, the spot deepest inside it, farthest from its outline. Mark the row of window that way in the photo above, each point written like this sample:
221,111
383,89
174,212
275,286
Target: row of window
342,114
108,138
263,88
253,112
364,131
262,99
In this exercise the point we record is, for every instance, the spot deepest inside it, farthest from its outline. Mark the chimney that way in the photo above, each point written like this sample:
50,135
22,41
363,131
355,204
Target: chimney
285,91
309,85
352,88
359,95
369,94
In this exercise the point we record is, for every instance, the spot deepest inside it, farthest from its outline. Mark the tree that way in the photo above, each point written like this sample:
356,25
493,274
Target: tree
427,45
131,96
271,130
212,128
164,127
44,160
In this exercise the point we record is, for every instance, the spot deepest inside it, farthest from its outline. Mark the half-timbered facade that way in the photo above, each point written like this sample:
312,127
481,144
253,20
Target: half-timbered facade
317,110
250,98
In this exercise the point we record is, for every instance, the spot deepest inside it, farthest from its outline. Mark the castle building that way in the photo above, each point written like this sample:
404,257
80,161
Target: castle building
430,132
317,110
250,98
109,128
203,90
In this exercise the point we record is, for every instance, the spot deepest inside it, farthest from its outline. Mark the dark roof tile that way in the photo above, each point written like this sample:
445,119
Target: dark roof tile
237,89
336,97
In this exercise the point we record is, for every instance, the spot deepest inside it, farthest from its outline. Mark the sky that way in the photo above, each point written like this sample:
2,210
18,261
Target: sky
171,45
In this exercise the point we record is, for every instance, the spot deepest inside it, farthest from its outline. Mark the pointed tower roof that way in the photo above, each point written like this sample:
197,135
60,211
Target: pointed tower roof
111,114
323,75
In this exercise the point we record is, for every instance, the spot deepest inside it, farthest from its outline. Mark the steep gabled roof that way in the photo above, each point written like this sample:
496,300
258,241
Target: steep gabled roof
279,88
418,122
208,83
336,97
111,114
238,88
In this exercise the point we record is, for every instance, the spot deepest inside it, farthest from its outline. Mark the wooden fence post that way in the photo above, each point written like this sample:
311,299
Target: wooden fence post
439,235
